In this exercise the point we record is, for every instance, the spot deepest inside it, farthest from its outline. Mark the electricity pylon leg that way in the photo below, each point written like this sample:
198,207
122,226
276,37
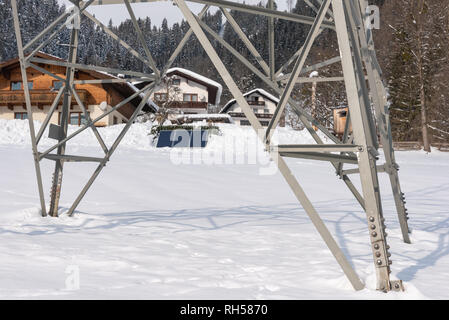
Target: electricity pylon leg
55,192
366,156
380,102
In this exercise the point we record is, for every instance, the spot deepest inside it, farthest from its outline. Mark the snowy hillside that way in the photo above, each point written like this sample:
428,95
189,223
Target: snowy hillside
153,229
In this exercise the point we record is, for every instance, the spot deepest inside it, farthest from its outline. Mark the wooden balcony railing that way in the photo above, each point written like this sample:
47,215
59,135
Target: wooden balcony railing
184,104
256,103
258,115
39,97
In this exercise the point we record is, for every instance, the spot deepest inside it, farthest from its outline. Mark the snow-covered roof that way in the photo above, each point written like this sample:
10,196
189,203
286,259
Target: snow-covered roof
215,95
258,90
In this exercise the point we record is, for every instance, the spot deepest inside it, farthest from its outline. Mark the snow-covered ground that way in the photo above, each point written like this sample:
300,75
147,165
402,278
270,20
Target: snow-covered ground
151,228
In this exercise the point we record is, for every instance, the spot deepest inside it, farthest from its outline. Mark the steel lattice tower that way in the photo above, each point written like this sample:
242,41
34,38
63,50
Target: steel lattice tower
362,76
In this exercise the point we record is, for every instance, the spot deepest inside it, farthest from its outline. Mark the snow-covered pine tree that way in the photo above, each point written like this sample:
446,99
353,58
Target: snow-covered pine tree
416,56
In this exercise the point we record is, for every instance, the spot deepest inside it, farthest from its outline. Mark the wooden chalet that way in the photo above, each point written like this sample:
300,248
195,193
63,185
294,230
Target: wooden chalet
44,89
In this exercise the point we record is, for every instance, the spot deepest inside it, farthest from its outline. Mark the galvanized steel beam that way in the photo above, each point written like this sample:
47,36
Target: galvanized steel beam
28,105
366,161
318,148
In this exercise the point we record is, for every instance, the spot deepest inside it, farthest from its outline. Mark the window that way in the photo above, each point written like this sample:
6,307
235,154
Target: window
57,85
176,82
17,85
255,110
160,96
76,118
190,97
266,110
264,123
114,120
20,115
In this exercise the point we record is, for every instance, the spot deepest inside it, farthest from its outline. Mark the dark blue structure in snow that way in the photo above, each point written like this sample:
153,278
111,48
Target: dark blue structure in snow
183,138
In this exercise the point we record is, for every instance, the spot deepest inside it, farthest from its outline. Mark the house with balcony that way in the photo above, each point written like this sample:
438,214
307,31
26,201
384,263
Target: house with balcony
44,89
262,103
195,93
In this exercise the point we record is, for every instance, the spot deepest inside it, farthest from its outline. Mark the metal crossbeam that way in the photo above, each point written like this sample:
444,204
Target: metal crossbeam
69,158
320,157
318,148
358,148
100,81
357,171
318,80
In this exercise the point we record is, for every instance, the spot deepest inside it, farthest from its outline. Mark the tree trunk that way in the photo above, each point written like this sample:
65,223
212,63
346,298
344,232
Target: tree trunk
425,129
422,92
314,113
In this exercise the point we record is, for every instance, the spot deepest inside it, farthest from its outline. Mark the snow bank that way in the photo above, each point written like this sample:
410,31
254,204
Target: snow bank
16,132
152,229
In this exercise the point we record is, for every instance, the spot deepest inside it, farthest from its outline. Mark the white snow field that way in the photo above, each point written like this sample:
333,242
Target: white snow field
151,228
